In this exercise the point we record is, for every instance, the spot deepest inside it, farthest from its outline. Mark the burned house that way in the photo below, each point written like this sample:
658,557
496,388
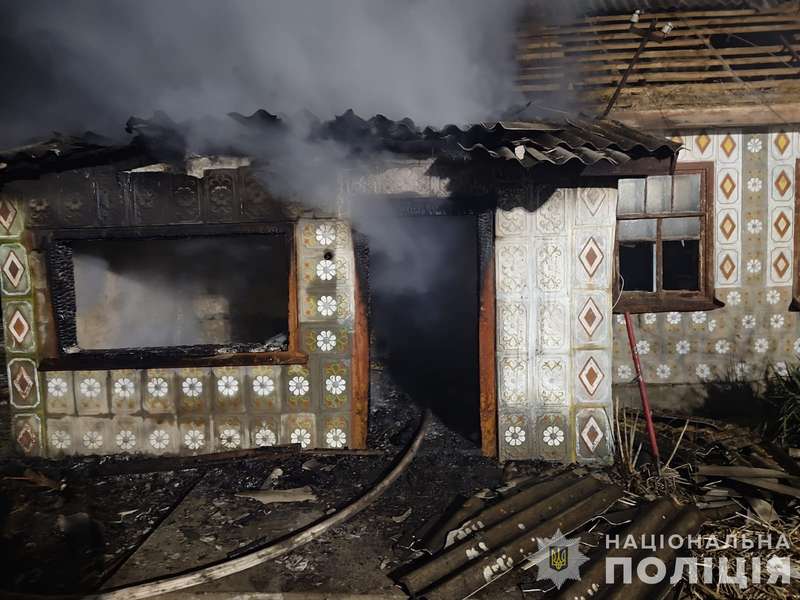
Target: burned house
159,303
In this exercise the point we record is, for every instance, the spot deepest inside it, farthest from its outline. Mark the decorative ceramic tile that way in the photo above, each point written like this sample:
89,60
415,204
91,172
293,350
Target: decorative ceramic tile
515,437
595,258
11,221
61,437
551,216
264,431
336,382
334,431
594,206
326,307
59,393
325,234
230,432
782,183
93,436
27,431
126,391
729,151
727,226
23,383
299,428
550,271
18,322
195,434
512,222
512,269
128,435
593,430
324,269
14,276
512,328
592,326
551,380
228,390
193,388
781,219
592,376
780,263
727,268
332,339
513,381
159,391
91,392
553,437
552,326
265,386
298,387
160,435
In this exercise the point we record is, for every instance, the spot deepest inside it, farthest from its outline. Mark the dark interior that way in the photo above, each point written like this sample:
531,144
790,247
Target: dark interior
681,261
424,313
636,266
181,291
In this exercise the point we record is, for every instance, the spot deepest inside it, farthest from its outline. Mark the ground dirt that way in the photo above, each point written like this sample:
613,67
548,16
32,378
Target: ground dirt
111,531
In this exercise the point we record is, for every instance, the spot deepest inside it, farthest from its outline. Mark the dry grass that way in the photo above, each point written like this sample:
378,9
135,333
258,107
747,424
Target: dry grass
693,442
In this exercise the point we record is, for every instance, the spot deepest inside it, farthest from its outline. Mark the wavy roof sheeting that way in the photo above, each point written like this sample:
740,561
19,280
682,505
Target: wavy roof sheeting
261,134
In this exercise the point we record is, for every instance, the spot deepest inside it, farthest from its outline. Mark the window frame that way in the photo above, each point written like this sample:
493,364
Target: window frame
675,300
61,284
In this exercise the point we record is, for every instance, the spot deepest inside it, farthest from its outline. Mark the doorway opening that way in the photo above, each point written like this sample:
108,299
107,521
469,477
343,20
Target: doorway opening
424,313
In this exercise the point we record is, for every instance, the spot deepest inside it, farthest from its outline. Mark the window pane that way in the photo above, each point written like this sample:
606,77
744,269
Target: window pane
631,196
682,228
180,292
637,266
687,192
636,229
681,265
659,192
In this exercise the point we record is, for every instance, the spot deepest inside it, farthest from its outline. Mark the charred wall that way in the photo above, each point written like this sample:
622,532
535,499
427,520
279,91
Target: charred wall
65,399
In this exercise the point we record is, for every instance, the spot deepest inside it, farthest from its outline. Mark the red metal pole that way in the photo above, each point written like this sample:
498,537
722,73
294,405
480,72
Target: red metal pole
648,416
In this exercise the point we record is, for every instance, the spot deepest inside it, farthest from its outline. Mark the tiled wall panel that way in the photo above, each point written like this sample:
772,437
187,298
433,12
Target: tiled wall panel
754,199
189,410
554,265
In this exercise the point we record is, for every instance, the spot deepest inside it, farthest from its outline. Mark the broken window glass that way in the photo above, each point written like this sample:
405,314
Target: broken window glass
663,252
637,266
681,265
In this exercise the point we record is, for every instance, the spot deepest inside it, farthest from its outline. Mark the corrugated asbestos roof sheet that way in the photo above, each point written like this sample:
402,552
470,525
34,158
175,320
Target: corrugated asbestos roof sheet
529,143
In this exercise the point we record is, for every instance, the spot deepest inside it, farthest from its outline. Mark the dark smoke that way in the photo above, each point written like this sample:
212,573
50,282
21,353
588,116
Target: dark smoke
89,65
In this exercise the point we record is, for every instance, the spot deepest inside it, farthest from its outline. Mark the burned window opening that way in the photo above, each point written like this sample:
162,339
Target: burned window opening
183,296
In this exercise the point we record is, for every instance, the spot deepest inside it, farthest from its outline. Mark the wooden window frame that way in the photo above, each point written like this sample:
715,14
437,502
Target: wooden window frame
676,300
62,293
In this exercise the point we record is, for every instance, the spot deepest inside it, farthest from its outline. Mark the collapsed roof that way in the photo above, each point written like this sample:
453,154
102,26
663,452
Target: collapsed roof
718,53
576,141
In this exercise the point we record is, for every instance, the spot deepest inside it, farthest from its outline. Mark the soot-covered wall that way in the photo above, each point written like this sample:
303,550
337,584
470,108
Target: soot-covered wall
308,397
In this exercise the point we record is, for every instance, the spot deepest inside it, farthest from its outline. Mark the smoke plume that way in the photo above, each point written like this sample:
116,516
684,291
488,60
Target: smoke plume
89,65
